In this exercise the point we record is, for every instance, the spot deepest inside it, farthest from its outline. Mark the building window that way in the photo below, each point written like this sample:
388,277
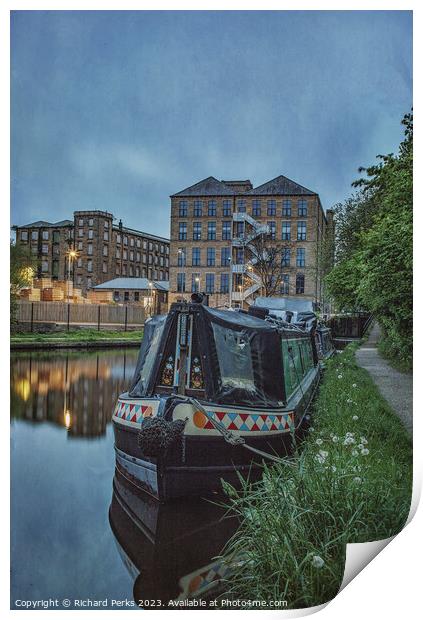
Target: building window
286,208
211,208
196,231
106,224
45,235
131,255
286,257
209,283
224,282
24,235
81,223
182,257
182,231
211,257
79,280
299,284
90,222
125,240
183,208
90,234
241,206
301,231
138,243
105,250
136,296
256,208
118,270
126,296
118,238
300,257
239,256
225,256
44,266
56,236
116,295
144,258
271,207
138,257
104,267
227,208
117,252
89,265
137,271
180,283
211,231
125,254
79,262
285,284
90,249
302,208
150,246
195,282
131,270
198,208
196,257
144,245
272,230
240,227
106,235
89,281
44,249
131,242
55,268
124,268
226,230
80,245
34,235
80,232
286,231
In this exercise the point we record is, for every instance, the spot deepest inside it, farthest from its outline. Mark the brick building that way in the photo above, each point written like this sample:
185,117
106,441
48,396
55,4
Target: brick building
213,222
95,248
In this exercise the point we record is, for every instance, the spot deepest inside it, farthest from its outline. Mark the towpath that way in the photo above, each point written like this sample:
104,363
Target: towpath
396,387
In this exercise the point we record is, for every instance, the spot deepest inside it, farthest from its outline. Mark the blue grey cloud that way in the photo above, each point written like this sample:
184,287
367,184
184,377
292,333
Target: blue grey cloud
117,110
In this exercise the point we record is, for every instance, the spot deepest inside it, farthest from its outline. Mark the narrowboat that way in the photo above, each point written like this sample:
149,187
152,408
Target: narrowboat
214,393
171,551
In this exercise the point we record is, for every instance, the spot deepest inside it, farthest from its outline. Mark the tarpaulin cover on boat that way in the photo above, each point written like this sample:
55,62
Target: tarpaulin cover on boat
241,356
282,303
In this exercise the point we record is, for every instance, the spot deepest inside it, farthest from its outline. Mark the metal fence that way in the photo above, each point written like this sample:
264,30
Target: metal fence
87,315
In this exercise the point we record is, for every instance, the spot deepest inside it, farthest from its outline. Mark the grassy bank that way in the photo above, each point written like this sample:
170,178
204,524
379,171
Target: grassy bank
350,481
76,335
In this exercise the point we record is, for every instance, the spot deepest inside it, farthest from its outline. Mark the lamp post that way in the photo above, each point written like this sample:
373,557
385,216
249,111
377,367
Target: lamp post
197,280
71,256
230,281
150,304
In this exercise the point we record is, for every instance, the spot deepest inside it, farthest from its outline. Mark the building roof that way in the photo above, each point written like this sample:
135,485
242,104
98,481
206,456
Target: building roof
207,187
134,231
43,224
281,186
140,284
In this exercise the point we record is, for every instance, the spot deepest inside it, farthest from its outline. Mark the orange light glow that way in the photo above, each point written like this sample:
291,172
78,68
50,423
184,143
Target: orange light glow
199,419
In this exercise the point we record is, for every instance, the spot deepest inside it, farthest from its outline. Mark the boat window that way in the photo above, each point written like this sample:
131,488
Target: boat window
307,355
234,357
148,357
293,369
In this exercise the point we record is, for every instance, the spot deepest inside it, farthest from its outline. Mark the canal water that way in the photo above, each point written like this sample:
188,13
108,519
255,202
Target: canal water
80,534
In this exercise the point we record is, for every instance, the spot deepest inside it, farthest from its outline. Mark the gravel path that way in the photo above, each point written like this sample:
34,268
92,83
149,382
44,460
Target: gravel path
396,387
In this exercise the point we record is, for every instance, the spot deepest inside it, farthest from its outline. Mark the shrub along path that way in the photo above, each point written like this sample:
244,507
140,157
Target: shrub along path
395,386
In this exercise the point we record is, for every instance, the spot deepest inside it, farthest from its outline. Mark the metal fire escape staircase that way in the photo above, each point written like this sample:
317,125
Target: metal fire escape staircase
255,229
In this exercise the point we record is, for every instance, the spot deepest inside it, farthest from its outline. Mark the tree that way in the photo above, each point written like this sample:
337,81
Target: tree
22,267
265,258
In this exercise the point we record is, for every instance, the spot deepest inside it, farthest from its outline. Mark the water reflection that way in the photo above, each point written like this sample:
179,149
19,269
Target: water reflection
63,545
71,390
170,549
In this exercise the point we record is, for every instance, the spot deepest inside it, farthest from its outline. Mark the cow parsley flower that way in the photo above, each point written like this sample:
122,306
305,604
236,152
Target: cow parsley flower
363,440
364,452
355,417
354,385
335,439
354,453
339,376
349,440
317,561
357,480
319,442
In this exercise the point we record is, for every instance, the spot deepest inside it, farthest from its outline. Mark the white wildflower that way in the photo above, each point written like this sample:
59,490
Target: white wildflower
357,480
348,440
319,441
333,468
363,440
319,458
355,417
335,439
339,376
360,446
354,385
311,429
364,452
317,561
349,400
307,417
354,453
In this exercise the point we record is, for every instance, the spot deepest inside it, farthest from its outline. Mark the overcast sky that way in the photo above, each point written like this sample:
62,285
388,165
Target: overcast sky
117,110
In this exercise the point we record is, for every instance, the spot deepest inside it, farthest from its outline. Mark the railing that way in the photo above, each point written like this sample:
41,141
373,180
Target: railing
89,315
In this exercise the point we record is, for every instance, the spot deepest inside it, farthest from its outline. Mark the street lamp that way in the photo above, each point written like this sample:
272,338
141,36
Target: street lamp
71,257
150,284
230,281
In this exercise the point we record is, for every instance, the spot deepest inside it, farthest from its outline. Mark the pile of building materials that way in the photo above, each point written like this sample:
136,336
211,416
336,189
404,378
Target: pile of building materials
99,296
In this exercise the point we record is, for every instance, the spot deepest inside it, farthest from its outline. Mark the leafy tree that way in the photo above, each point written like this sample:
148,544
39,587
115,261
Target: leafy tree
373,267
22,267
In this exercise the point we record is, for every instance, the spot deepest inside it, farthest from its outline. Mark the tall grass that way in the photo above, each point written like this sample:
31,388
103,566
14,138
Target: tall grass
349,481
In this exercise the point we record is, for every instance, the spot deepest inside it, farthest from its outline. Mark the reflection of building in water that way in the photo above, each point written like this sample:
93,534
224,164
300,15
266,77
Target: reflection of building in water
76,392
170,549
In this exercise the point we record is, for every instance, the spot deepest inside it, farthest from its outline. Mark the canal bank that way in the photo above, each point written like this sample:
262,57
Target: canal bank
75,339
